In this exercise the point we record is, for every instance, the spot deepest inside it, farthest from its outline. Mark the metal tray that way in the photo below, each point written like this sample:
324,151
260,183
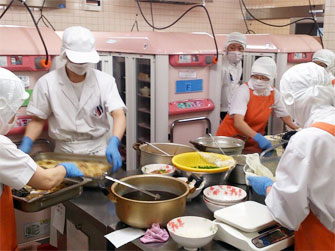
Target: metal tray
95,181
74,188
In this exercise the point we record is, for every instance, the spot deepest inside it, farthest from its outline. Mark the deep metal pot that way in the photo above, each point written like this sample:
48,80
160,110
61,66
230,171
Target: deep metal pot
237,176
230,145
142,214
150,155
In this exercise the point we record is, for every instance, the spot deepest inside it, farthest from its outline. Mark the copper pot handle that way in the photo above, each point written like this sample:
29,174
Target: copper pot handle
112,197
136,146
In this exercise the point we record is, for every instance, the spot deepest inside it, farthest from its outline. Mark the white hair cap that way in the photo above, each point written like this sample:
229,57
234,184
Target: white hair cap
236,37
12,95
79,45
307,94
264,66
325,56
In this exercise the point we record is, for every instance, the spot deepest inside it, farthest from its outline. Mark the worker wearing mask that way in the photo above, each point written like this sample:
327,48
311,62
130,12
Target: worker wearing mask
303,196
76,100
326,59
252,105
17,169
231,68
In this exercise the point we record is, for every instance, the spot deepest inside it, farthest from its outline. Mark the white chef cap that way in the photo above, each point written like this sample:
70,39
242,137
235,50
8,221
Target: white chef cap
264,66
236,37
325,56
307,94
12,96
79,45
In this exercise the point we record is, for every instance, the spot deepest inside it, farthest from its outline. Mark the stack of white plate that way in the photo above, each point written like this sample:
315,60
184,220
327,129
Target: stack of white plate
221,196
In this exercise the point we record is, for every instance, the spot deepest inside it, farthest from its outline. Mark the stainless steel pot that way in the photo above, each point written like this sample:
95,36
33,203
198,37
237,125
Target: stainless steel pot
150,155
230,145
237,175
142,214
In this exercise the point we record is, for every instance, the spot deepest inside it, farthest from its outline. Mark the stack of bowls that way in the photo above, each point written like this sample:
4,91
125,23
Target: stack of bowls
221,196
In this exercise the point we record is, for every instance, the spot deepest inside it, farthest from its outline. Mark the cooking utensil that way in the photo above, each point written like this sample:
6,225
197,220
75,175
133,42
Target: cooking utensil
157,148
73,188
216,143
230,145
141,214
155,196
76,157
150,155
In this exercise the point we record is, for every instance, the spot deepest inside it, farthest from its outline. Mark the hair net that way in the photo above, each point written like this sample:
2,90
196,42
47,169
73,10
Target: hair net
264,66
325,56
236,37
79,45
307,94
12,96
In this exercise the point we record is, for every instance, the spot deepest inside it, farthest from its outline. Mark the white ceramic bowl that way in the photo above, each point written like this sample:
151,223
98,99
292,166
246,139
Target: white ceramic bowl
224,193
213,206
162,169
191,185
192,232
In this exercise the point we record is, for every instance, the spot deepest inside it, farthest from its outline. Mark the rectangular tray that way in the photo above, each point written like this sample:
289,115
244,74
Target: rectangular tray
76,157
74,188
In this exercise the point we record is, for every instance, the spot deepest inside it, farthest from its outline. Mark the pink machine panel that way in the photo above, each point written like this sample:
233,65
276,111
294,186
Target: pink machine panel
190,106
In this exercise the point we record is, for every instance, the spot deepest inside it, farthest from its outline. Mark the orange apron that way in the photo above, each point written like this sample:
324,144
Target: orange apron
312,235
8,239
258,112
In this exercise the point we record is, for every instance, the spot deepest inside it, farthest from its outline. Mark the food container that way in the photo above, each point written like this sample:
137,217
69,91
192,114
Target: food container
150,155
237,175
162,169
192,232
186,163
140,213
72,189
230,145
61,157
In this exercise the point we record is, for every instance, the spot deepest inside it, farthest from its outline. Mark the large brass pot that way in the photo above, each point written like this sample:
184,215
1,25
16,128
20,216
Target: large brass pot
142,214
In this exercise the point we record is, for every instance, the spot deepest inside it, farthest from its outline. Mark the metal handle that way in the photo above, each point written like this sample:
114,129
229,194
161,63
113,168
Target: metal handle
156,196
216,143
261,156
157,148
209,125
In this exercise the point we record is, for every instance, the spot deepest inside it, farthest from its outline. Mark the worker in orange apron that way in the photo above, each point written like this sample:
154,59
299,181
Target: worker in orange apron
303,197
252,105
17,168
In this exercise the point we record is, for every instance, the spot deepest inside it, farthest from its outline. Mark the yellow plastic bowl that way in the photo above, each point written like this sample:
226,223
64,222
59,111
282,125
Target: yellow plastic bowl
189,162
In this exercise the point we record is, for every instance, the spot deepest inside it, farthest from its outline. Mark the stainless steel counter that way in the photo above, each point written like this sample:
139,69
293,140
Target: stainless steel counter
94,214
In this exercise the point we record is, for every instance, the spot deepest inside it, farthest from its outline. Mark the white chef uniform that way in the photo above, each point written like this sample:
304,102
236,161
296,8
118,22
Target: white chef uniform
77,126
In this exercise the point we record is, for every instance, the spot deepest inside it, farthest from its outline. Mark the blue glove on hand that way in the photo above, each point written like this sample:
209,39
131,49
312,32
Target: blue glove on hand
262,141
72,170
26,144
112,153
259,184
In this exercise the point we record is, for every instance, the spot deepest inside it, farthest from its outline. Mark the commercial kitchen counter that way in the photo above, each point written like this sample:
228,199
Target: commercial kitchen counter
94,214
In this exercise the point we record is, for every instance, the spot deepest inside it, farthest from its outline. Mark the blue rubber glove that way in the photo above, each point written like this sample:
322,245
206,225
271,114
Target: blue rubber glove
259,184
112,153
26,144
72,170
262,141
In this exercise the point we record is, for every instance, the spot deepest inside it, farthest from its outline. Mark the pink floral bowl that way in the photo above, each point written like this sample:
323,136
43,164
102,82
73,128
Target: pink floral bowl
192,232
224,193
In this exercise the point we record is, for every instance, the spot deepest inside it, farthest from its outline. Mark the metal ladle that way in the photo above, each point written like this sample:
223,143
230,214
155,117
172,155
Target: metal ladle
217,144
155,196
157,148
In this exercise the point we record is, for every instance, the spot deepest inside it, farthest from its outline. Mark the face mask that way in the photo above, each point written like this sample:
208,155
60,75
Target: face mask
234,56
7,127
79,69
260,86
